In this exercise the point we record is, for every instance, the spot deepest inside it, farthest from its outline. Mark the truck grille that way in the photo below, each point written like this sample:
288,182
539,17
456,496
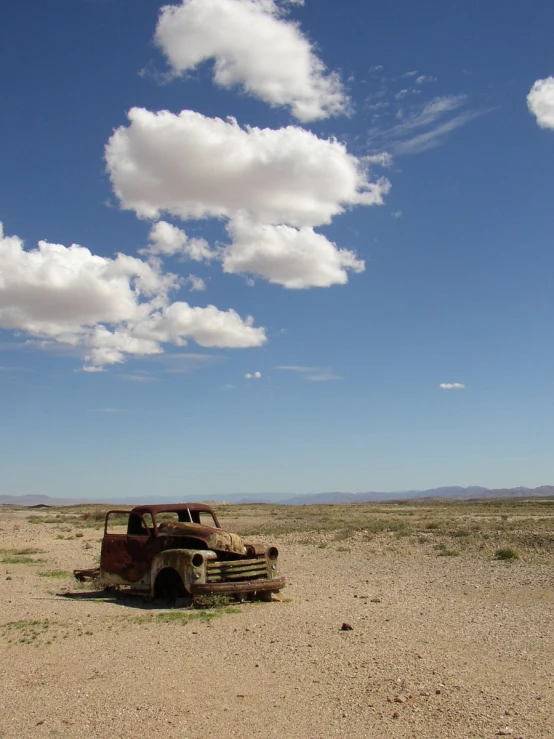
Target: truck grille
236,570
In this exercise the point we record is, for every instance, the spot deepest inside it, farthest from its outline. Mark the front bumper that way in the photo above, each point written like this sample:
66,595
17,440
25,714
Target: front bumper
228,588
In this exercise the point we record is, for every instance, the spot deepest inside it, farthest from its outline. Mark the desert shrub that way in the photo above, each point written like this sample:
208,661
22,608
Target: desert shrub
343,534
54,573
211,601
506,555
444,551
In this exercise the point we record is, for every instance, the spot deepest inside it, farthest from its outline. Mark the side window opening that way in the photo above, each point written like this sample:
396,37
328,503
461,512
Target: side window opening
117,522
206,519
140,525
203,517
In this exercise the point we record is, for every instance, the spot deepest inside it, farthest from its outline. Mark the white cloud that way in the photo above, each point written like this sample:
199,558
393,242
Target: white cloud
110,308
423,78
196,284
274,186
541,102
193,166
294,258
168,240
452,386
253,375
254,46
396,214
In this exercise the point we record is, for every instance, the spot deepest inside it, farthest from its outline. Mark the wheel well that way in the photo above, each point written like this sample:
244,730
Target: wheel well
169,584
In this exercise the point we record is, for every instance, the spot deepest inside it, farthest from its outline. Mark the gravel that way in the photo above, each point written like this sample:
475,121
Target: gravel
369,641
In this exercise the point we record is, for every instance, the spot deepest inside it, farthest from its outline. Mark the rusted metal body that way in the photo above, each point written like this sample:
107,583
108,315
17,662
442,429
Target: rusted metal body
170,550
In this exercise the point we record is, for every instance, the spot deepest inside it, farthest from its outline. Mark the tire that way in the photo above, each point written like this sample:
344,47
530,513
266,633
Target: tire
169,586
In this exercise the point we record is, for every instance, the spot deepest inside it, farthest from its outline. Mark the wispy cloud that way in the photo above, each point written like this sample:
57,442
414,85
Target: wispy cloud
312,374
296,368
452,386
323,376
435,136
183,363
139,377
110,410
402,121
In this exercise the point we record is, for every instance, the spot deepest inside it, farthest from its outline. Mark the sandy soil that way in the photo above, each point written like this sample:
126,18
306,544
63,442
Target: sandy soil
440,647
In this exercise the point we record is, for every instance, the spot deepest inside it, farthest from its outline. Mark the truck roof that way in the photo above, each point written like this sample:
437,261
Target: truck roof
161,508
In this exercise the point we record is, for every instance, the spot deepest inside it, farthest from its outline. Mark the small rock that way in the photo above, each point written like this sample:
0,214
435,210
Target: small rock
506,731
438,691
375,600
346,627
8,578
400,699
396,714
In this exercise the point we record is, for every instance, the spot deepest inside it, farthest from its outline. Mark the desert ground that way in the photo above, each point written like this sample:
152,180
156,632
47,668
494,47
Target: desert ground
451,607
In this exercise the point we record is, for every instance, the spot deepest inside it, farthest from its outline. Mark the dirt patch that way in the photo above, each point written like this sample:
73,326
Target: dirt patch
441,645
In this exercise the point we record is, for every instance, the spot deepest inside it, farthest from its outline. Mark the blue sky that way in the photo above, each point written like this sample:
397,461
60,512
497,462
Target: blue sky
361,192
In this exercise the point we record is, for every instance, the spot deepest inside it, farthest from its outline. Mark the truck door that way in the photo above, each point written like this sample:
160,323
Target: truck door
128,546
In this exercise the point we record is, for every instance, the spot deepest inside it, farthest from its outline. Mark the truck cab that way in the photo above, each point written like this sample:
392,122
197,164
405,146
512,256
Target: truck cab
180,550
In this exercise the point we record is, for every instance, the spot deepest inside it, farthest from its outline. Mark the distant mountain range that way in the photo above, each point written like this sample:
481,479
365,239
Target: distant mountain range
455,492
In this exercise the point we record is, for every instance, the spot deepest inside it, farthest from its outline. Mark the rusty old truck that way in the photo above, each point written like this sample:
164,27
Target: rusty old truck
181,551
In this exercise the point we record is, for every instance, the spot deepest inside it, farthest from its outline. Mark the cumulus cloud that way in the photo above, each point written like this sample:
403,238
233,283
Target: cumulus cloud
253,375
168,240
452,386
255,47
541,102
273,186
109,307
193,166
294,258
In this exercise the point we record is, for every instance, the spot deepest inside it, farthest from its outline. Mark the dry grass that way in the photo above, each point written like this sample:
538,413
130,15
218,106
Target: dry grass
456,527
448,528
20,556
